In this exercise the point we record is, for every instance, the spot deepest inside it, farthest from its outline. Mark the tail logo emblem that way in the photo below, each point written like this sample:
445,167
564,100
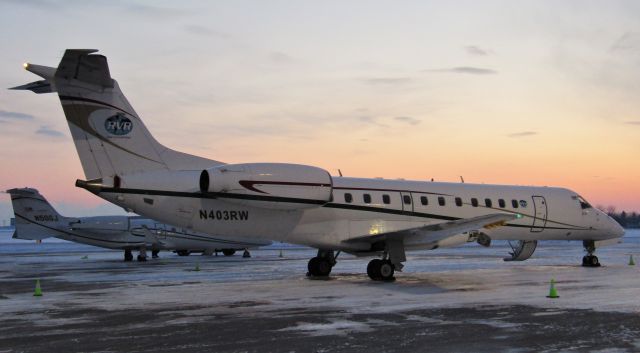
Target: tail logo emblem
118,125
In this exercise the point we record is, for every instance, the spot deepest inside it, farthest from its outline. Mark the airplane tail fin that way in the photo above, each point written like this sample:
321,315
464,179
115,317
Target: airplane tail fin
35,218
110,138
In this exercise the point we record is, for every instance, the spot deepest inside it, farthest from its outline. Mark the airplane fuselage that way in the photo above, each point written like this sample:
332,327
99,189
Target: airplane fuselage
361,207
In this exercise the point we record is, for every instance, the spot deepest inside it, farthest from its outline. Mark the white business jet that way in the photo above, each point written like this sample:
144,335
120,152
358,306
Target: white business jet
300,204
36,219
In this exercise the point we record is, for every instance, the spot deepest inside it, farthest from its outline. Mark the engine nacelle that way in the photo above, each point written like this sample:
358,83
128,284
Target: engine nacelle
269,185
101,224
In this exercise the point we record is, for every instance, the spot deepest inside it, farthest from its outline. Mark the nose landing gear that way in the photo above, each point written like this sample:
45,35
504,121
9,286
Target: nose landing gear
590,260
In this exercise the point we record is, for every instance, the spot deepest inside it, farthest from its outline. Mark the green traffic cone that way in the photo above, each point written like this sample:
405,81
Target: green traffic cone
631,262
280,253
38,291
84,257
197,267
553,293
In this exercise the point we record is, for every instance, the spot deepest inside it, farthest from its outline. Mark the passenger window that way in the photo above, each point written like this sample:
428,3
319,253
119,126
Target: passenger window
523,203
502,203
488,203
458,201
386,199
366,198
514,203
348,198
406,199
474,202
424,200
440,200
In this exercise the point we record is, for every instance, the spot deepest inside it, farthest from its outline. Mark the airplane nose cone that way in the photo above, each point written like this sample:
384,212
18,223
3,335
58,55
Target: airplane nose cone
618,231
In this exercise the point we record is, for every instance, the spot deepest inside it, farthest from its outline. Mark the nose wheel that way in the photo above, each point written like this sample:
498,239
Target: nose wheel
590,260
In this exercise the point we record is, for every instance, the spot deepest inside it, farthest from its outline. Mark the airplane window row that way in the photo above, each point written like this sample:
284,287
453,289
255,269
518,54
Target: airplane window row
406,199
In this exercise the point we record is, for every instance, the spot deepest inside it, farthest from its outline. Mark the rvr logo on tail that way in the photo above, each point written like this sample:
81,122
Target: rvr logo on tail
118,125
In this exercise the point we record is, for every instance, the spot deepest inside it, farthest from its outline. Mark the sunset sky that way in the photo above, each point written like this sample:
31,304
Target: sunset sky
507,92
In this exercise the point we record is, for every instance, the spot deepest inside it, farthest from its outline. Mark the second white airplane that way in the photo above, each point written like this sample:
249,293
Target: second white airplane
299,204
36,219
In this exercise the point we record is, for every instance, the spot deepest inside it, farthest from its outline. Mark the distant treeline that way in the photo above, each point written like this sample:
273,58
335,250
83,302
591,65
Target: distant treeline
627,220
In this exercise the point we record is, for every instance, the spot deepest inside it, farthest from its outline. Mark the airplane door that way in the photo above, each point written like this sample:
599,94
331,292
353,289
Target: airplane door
407,201
540,213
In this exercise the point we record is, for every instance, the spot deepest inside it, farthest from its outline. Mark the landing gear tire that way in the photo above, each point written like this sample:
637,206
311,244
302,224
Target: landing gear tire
319,267
183,252
128,256
590,261
154,254
228,252
142,258
373,269
380,270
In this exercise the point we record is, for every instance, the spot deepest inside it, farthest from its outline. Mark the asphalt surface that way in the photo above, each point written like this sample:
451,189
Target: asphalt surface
450,301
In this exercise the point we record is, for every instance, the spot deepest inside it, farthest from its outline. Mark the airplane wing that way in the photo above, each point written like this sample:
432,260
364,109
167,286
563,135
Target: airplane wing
149,236
430,236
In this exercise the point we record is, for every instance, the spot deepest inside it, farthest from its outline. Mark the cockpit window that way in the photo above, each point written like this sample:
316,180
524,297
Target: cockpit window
583,203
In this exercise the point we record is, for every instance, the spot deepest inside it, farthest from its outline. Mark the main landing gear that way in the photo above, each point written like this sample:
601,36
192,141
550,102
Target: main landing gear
228,252
142,255
381,270
392,259
321,265
154,254
128,256
590,260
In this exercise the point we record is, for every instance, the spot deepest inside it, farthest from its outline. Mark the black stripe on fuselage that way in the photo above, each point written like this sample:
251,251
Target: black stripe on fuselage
79,99
196,237
219,195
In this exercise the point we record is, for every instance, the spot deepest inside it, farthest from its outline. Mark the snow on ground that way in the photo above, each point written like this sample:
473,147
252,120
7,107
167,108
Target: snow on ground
469,275
447,298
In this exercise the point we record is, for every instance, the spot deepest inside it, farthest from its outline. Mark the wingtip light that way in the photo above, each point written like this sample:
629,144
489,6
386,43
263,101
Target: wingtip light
25,65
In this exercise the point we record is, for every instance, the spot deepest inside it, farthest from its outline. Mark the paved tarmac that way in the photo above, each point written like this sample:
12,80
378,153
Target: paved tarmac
449,300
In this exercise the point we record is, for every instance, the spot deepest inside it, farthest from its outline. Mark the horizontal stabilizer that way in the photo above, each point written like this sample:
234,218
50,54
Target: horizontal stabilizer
42,86
39,87
45,72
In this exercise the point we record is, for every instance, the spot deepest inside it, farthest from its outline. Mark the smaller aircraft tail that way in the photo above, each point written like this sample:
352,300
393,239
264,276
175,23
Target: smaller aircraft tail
35,218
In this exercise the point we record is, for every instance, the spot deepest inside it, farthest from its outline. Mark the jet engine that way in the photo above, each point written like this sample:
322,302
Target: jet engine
269,185
521,250
101,224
